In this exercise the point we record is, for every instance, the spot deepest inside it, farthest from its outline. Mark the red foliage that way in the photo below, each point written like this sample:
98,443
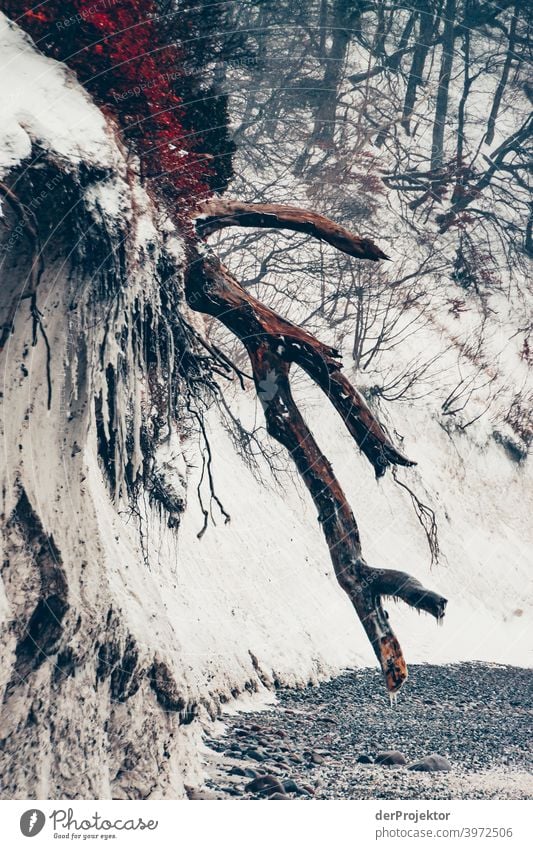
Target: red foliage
365,173
119,53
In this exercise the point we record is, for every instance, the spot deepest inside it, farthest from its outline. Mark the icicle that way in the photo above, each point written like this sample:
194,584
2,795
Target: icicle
104,391
393,699
136,456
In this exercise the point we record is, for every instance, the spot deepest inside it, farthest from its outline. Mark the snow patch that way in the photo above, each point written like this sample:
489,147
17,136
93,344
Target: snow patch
41,102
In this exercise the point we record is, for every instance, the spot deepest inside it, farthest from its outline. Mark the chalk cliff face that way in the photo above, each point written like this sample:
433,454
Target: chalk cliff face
122,632
118,630
76,656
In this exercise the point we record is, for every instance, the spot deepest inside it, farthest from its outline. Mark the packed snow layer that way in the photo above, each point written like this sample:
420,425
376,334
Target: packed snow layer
41,102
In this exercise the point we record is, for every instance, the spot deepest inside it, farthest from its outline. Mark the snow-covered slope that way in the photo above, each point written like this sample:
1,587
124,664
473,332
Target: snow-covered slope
117,630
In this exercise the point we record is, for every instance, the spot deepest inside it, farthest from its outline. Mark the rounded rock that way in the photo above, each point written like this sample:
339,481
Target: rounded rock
266,785
391,758
431,763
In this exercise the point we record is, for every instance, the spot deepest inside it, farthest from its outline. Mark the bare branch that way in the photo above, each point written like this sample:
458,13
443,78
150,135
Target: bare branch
217,214
245,316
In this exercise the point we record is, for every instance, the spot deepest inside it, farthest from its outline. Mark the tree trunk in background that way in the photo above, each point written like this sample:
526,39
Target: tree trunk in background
344,16
427,25
441,108
491,123
467,82
323,22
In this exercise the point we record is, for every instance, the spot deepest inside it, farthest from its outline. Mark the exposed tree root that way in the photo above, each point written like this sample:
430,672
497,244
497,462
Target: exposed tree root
213,290
426,517
273,343
207,462
218,213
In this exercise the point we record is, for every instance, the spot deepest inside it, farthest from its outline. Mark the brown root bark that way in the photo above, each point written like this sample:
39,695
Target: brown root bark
217,213
273,344
215,291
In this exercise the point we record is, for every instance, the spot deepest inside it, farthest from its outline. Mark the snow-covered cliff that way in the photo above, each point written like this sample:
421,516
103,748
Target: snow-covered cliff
120,634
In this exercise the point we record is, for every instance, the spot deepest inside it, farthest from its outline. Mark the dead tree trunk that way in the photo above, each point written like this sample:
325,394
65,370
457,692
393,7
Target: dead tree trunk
491,123
441,108
273,344
427,24
344,17
217,214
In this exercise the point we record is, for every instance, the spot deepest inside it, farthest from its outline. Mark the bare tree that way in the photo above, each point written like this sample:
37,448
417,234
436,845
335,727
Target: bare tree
441,106
273,344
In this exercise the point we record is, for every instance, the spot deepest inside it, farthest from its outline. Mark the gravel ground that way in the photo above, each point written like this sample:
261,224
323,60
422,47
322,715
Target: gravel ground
477,716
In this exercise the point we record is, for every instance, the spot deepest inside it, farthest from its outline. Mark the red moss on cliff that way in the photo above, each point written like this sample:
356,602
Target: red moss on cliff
121,55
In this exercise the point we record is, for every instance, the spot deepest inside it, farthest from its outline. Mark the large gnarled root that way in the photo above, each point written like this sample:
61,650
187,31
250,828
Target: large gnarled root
273,344
218,213
212,289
